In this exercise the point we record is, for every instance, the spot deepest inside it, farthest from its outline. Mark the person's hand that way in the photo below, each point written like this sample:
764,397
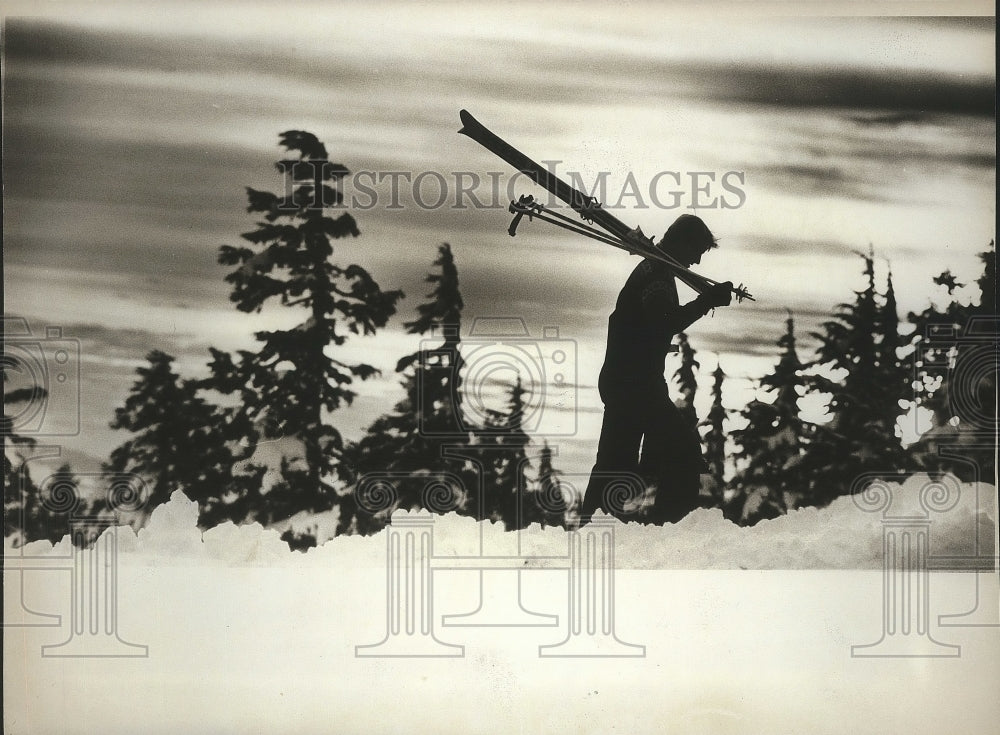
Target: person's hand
721,294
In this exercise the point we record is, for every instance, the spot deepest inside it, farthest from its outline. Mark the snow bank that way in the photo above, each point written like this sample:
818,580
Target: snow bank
227,631
848,534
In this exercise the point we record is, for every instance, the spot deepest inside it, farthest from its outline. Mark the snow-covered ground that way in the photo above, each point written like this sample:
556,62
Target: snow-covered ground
732,630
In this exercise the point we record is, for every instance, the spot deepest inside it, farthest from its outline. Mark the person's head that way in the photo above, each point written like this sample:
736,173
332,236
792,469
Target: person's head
687,239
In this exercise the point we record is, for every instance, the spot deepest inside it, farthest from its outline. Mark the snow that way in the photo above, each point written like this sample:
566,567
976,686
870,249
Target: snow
744,629
844,535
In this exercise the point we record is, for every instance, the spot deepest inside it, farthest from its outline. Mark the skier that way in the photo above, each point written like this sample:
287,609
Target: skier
637,407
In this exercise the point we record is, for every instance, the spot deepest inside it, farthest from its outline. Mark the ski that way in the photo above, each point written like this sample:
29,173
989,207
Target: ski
588,207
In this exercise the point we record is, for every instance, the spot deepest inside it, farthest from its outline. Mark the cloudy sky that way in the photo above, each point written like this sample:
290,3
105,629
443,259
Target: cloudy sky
131,130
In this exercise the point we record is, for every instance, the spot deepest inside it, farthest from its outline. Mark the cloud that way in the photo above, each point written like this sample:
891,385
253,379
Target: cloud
889,90
74,164
771,245
104,342
754,330
818,179
33,40
118,349
504,66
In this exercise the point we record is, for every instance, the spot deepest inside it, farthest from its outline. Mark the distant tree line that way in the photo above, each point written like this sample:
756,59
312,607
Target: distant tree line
255,439
872,375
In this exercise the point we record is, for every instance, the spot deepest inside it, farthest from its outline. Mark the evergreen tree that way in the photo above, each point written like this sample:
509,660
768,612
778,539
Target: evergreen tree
300,541
686,377
40,513
444,308
437,373
408,441
770,449
241,487
60,501
987,283
285,386
175,445
30,512
715,440
19,493
857,348
893,391
953,344
548,496
505,479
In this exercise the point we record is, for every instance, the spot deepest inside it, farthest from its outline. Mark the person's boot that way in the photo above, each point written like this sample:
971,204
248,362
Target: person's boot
591,502
676,498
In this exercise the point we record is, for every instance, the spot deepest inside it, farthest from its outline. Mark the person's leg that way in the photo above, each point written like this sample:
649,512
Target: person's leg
672,455
617,460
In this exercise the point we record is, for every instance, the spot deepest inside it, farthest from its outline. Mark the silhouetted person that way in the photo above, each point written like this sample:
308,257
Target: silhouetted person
637,407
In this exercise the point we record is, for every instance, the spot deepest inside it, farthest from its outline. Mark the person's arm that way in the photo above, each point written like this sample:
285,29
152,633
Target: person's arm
659,302
682,317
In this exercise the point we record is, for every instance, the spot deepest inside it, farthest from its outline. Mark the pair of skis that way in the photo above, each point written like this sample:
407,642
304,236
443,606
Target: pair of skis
615,232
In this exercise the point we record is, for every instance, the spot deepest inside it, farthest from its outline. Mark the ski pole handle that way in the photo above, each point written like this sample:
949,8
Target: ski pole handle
512,230
518,209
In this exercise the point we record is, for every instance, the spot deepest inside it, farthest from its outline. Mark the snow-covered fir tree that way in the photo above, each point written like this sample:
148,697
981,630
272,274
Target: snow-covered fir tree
175,444
20,494
502,449
61,501
34,509
290,383
770,448
549,495
956,358
433,374
715,441
856,367
40,511
686,379
892,395
407,442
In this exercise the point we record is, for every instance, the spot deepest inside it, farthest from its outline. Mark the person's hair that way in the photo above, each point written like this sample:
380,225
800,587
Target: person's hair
690,228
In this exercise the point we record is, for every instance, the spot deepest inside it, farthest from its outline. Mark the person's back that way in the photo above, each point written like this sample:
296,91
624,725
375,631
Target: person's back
637,341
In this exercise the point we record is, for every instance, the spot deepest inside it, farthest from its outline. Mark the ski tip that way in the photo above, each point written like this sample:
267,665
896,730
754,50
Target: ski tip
467,121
